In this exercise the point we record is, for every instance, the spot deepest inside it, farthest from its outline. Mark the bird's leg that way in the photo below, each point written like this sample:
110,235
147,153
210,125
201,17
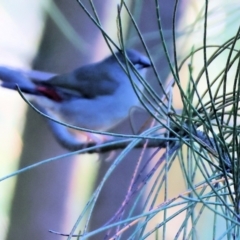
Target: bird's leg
65,137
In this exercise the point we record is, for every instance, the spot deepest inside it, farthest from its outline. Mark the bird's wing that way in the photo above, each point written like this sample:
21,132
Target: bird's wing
87,81
96,83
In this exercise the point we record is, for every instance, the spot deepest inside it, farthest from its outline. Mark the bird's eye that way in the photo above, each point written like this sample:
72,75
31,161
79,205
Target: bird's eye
139,66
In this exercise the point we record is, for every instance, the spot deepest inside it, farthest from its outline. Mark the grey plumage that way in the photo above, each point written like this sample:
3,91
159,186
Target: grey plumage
96,96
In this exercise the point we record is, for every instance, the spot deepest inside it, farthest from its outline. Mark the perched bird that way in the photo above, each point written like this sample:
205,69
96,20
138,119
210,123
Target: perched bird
97,96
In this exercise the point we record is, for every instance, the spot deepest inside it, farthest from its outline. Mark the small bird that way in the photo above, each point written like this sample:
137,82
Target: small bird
97,96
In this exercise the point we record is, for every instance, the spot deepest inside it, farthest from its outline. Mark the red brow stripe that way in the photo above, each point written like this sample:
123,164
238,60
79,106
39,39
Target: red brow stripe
50,93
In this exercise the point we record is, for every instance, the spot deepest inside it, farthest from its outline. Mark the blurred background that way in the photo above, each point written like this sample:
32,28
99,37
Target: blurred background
58,36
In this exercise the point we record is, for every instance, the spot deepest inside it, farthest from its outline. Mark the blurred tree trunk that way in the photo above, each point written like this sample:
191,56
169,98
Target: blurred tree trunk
40,195
115,189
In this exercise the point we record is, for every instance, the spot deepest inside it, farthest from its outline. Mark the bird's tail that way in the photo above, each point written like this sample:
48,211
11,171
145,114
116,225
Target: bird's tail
12,79
23,88
17,79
